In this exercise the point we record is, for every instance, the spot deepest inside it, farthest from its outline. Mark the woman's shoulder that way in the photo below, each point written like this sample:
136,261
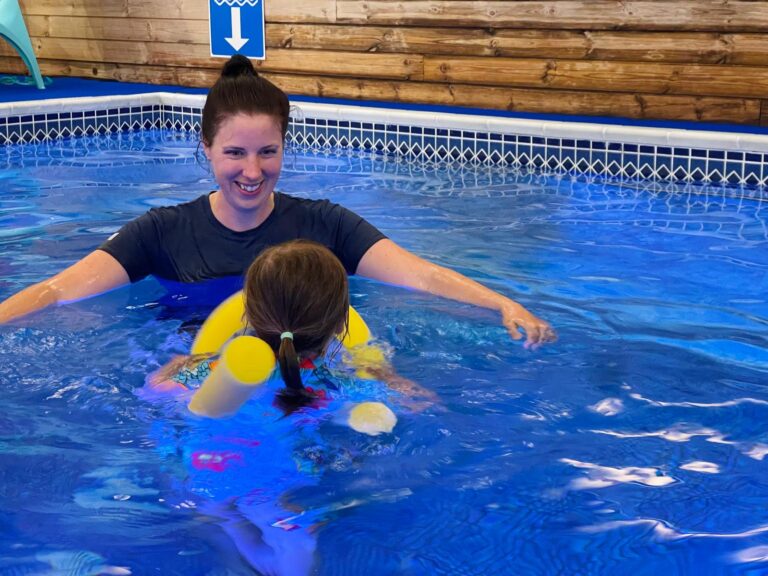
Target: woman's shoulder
287,203
174,215
197,205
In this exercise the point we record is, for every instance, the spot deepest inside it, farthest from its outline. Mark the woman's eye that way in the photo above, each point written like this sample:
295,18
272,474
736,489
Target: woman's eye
233,152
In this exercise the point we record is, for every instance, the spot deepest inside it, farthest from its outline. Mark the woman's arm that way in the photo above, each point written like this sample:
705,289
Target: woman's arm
96,273
388,262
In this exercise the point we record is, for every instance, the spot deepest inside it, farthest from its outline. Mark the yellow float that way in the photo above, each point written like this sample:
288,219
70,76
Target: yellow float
246,362
372,418
228,318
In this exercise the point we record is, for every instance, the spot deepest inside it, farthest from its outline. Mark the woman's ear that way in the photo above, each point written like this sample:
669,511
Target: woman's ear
206,150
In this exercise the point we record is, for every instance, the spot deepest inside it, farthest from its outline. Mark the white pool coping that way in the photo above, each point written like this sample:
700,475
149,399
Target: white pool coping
594,131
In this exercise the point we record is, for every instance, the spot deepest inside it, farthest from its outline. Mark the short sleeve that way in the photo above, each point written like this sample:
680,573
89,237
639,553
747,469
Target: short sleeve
354,236
130,246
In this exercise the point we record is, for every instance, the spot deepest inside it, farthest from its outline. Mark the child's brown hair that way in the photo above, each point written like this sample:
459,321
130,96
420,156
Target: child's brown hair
298,288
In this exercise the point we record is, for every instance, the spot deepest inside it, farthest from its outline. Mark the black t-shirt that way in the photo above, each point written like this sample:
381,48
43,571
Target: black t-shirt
186,243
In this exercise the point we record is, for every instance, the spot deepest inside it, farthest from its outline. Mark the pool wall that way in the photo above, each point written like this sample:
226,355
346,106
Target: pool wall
687,60
626,152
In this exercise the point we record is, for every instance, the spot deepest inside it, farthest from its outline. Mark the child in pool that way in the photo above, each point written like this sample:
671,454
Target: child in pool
297,301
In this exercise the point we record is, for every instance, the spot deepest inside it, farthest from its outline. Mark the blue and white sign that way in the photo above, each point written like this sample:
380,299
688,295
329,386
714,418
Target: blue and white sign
237,27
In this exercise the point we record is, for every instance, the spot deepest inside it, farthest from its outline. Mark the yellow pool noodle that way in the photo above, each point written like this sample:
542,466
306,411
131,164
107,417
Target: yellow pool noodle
372,418
228,318
245,363
358,331
225,320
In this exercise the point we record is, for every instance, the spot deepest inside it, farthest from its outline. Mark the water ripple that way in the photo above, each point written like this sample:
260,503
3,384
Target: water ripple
725,404
662,531
684,433
604,476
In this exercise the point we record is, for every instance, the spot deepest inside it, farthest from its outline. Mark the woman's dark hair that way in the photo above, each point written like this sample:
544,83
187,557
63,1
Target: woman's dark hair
240,90
302,288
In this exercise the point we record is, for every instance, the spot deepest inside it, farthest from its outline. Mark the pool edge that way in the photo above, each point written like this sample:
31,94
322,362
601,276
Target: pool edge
665,154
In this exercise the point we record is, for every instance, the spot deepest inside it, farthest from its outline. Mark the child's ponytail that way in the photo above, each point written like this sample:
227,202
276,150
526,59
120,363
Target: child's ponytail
288,360
297,301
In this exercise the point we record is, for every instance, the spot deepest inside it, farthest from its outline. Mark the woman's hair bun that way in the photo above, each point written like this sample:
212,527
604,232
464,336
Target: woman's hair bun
238,65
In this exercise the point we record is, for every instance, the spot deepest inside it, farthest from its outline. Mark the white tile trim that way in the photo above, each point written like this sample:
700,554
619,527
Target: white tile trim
699,139
609,150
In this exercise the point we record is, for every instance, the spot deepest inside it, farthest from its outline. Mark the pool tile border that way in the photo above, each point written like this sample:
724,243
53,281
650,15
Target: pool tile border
622,152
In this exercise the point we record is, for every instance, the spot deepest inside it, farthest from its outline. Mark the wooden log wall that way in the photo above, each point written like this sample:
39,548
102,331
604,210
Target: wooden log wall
700,60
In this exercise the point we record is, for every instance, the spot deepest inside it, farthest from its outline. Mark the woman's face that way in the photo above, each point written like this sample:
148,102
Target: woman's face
246,157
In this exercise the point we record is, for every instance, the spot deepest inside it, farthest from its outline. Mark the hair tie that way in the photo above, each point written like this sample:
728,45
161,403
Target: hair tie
288,335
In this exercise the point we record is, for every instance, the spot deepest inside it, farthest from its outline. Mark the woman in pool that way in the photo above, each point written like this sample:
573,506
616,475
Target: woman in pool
244,123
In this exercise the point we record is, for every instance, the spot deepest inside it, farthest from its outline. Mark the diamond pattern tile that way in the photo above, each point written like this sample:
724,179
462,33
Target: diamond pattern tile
439,146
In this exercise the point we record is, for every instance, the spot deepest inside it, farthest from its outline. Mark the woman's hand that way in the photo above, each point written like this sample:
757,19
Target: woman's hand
537,331
387,262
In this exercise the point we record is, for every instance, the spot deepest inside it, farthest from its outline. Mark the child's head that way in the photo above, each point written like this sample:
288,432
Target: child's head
301,288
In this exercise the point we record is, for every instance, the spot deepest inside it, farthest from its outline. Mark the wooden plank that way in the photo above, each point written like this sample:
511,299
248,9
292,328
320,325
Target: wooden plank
98,8
764,113
300,11
679,15
640,77
126,29
732,110
175,76
369,65
691,47
174,9
468,41
683,47
86,50
283,11
749,49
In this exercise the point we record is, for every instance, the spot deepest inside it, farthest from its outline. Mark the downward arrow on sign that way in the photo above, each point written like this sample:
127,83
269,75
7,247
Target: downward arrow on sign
236,41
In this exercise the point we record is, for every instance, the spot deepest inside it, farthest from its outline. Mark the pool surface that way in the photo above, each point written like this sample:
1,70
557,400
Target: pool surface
635,445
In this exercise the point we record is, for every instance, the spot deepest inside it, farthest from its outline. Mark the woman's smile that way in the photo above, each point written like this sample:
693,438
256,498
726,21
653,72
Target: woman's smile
250,189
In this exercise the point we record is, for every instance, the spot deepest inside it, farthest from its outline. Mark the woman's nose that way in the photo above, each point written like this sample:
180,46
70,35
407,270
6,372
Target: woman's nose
252,168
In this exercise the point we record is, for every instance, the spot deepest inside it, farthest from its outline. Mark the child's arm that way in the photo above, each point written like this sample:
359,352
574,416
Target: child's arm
370,362
180,371
401,384
221,384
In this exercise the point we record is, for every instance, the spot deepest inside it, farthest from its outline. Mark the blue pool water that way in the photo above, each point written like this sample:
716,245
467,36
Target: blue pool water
635,445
